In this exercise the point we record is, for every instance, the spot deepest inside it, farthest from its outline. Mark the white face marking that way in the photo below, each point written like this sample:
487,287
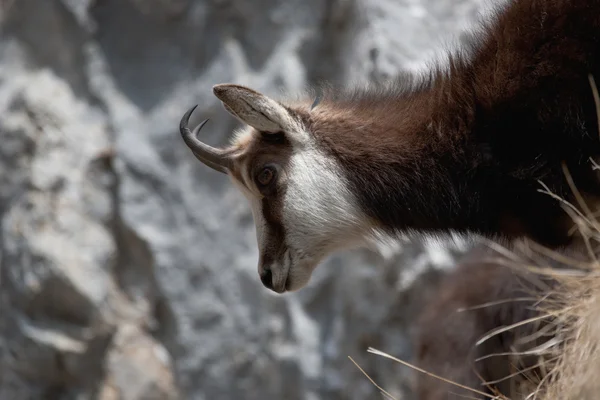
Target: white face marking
320,213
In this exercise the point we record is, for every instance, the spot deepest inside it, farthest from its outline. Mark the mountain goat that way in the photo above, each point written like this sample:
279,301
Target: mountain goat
462,148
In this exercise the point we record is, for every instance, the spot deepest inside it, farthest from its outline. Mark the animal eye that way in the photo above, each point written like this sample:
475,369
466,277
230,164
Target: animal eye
265,176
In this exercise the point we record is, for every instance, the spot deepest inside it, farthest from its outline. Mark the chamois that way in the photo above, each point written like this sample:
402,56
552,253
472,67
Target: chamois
463,148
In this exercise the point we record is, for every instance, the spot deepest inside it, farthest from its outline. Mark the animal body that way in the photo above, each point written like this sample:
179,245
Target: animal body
462,148
471,302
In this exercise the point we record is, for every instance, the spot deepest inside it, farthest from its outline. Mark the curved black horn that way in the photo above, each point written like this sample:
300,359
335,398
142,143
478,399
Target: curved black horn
212,157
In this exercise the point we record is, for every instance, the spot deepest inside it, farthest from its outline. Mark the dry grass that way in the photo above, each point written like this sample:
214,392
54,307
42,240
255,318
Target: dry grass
569,362
576,374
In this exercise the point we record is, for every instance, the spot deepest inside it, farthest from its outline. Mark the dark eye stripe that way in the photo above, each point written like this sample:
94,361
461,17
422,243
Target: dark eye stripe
275,232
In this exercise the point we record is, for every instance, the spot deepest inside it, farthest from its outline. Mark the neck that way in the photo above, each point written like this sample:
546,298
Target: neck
413,158
466,150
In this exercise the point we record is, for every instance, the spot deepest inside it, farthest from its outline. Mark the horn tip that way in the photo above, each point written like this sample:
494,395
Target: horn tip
186,118
191,110
196,131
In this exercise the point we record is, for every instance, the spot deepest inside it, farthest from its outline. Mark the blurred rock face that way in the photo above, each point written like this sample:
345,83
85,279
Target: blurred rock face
128,270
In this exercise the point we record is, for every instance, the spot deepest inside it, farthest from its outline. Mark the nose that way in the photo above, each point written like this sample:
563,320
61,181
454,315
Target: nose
266,277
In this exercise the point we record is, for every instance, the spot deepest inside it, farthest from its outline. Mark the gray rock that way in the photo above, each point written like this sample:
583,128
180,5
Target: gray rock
128,270
139,368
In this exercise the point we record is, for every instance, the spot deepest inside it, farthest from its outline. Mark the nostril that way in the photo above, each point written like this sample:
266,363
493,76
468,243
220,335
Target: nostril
267,279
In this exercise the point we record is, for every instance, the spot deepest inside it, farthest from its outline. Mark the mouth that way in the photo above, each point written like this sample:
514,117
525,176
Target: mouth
283,280
282,288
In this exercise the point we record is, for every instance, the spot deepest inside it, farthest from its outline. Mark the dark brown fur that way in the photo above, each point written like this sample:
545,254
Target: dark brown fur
445,338
465,148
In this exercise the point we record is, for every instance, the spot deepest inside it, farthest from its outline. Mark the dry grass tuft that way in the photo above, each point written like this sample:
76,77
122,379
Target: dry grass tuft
576,374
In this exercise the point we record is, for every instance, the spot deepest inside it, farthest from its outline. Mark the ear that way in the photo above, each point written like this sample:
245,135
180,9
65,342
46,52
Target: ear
255,109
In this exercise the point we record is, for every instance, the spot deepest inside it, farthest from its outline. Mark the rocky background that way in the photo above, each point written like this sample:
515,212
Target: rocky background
128,270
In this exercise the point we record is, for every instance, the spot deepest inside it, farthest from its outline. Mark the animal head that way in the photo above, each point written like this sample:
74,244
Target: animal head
301,204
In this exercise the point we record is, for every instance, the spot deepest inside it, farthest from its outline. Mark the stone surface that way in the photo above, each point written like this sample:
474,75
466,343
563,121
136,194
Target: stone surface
128,270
